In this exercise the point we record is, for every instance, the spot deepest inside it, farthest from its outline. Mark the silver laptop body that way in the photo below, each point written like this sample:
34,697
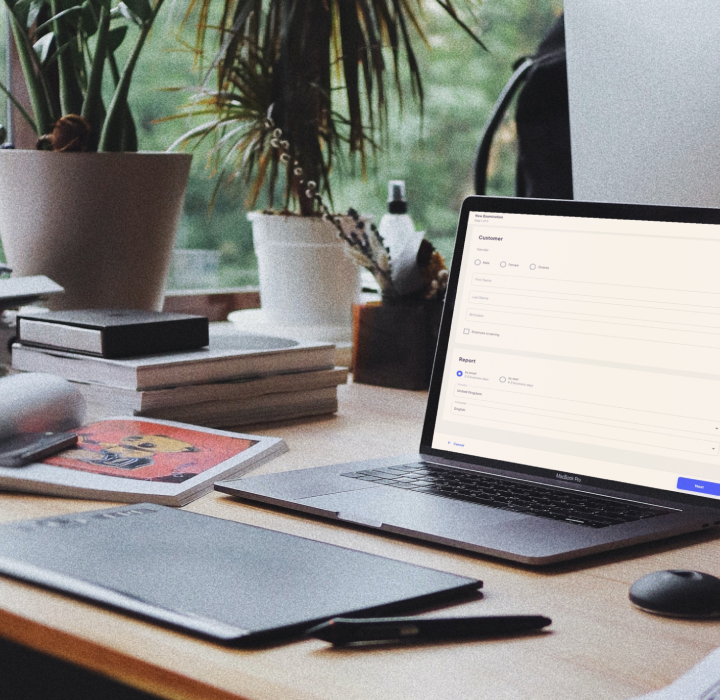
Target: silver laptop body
574,405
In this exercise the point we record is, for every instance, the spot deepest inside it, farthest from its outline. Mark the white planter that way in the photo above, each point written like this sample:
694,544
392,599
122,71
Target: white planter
100,224
307,281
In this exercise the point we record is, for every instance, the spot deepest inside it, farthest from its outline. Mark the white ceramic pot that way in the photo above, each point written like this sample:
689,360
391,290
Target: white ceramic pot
100,224
306,278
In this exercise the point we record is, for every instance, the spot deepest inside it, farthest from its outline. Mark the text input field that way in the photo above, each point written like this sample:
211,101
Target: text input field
617,416
545,424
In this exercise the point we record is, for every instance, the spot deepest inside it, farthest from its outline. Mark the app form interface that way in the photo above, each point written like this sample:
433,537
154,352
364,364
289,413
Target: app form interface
590,347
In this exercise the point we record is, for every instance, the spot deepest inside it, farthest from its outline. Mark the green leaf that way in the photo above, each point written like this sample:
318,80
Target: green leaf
34,8
56,55
93,108
127,13
65,13
129,140
116,37
140,8
20,10
42,46
100,4
70,92
112,131
38,90
19,107
89,18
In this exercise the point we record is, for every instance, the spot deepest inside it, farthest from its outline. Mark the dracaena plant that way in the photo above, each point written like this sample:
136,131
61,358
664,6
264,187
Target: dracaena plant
65,47
309,75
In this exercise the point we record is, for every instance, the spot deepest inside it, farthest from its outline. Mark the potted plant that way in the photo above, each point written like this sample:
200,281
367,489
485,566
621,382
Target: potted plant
295,89
85,208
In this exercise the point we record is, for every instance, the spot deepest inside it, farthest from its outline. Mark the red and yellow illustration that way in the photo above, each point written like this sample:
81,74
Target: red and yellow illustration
147,451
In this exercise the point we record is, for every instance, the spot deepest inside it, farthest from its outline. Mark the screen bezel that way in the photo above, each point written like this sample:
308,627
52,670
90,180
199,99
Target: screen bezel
546,207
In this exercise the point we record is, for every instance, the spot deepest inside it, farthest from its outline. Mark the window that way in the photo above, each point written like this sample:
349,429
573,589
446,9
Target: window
433,154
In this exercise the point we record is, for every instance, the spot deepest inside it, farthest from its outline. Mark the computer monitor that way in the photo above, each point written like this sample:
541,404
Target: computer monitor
644,100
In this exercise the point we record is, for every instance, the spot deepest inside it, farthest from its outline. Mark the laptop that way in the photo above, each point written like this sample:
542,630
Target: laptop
574,405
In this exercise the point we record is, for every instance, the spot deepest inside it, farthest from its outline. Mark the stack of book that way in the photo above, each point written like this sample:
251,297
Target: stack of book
14,293
217,378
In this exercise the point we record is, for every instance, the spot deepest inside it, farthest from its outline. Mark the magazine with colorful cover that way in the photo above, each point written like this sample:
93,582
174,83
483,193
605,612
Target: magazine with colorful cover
133,460
122,459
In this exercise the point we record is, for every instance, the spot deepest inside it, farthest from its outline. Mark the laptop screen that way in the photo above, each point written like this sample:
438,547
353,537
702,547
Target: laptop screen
583,341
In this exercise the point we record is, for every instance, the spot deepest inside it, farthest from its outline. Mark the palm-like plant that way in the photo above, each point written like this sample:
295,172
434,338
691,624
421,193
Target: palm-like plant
282,68
64,47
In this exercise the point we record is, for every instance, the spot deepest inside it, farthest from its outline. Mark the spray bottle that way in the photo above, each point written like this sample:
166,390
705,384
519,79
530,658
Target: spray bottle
402,240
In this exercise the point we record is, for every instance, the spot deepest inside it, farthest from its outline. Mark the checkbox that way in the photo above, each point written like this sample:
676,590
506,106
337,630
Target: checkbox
466,331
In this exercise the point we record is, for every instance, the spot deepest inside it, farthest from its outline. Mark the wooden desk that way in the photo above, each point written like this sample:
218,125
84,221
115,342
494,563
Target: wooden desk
600,646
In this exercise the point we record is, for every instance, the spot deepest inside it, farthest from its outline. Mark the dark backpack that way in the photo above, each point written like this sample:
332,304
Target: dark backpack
543,123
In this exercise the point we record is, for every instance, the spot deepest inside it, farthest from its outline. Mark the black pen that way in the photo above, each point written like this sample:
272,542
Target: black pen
343,630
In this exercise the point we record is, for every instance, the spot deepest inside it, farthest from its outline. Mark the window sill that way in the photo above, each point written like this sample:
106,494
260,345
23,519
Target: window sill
216,304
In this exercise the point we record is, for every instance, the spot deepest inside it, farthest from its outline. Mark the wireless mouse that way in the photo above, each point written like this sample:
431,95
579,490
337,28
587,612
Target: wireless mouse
678,593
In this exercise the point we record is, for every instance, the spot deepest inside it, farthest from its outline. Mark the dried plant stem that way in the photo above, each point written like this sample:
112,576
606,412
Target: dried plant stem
366,245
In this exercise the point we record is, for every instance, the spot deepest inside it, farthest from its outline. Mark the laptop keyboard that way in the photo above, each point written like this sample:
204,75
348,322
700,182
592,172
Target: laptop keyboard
508,494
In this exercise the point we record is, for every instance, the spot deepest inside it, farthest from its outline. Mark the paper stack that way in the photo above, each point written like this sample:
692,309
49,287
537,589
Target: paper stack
239,379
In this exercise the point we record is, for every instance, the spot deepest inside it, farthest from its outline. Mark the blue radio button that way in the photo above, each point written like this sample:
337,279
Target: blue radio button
698,486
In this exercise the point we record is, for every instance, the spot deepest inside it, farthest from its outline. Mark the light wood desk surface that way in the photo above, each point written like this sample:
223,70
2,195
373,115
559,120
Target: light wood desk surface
600,647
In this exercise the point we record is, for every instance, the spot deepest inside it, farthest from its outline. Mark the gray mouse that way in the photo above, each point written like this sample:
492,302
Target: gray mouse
678,593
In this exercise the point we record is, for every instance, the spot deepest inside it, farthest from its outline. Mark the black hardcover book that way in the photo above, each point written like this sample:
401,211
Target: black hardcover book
114,333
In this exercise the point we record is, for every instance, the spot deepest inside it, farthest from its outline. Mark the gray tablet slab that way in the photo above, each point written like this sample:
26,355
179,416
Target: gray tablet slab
221,579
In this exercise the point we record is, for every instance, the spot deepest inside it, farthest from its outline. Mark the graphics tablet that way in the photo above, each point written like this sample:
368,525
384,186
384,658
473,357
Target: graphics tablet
217,578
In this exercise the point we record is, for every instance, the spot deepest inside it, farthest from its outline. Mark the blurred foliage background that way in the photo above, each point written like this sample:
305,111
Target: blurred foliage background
432,152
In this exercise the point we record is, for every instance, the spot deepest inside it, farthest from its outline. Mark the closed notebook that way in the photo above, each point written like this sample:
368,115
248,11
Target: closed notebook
114,333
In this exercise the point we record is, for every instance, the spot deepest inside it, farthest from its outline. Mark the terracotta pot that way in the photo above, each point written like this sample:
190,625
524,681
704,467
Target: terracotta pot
100,224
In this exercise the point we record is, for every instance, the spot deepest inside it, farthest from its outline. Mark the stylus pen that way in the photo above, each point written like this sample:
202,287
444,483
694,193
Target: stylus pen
343,630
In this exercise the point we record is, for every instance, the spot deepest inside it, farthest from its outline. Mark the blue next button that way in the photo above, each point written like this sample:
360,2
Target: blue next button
698,486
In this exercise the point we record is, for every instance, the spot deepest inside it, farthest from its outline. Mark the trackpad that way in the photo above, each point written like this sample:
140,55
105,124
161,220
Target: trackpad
412,511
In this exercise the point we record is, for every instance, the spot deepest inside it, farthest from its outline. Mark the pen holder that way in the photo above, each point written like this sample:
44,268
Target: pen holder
394,342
